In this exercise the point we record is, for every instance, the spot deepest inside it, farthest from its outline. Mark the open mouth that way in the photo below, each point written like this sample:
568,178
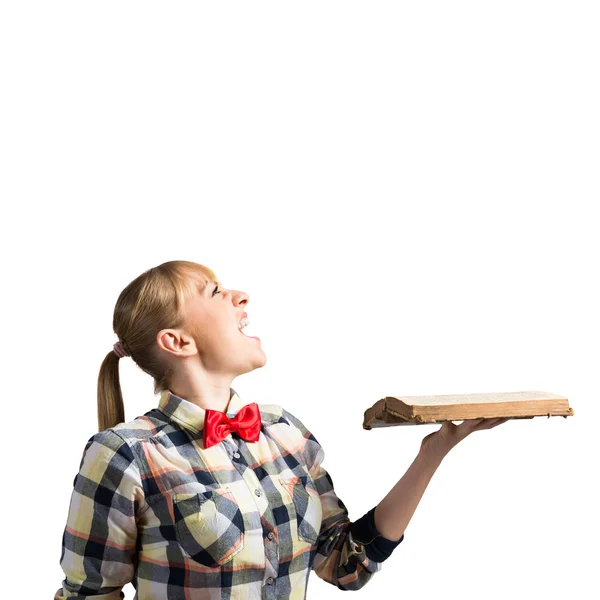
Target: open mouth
243,332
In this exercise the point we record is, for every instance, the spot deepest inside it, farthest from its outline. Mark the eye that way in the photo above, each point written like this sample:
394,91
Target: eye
215,291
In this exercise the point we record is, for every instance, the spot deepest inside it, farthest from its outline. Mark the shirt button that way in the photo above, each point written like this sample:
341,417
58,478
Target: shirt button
270,580
237,455
257,492
271,535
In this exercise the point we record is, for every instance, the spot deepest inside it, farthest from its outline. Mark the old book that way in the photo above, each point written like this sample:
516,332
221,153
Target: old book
417,410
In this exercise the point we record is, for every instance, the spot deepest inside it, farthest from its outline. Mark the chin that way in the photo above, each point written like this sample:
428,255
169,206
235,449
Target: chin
256,364
260,363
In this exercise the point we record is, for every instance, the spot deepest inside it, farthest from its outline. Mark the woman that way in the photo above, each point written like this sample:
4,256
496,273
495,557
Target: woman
209,496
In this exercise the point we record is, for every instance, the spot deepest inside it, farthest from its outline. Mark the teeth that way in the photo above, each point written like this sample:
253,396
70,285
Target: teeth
243,324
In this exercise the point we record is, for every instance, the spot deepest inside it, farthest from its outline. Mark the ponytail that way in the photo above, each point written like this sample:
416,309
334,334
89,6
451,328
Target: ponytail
110,399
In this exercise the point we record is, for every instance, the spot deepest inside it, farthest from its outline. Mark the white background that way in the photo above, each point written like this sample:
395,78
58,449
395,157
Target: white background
407,194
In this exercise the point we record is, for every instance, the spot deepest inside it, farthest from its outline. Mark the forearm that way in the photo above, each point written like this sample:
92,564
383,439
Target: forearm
395,511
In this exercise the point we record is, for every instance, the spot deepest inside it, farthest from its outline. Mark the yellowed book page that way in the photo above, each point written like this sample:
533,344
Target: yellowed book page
442,400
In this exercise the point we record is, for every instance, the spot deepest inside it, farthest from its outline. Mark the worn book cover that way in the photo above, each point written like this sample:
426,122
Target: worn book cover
417,410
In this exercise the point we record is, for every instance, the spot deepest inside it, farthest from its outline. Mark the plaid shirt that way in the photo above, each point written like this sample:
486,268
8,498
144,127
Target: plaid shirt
239,520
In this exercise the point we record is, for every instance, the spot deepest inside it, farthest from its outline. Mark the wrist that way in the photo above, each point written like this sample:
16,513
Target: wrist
435,450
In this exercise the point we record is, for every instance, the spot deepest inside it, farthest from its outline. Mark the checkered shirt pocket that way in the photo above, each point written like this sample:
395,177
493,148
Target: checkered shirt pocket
209,526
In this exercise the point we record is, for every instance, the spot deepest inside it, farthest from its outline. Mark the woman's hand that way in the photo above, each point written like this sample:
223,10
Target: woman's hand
449,434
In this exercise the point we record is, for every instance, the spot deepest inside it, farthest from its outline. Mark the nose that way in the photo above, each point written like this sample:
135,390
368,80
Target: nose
241,298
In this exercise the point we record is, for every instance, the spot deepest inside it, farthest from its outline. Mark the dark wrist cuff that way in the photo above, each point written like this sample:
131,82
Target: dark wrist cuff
377,547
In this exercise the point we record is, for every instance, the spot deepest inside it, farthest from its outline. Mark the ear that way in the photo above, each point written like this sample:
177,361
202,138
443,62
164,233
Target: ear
176,342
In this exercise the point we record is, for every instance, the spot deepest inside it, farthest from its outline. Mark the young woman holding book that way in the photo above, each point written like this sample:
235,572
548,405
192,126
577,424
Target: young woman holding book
208,495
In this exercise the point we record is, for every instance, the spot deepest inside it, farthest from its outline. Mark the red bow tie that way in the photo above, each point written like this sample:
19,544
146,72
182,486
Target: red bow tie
246,423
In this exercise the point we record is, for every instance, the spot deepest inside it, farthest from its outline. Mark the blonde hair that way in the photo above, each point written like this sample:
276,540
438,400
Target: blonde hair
153,301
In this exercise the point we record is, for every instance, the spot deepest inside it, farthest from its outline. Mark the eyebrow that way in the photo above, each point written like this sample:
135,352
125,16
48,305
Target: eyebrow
206,282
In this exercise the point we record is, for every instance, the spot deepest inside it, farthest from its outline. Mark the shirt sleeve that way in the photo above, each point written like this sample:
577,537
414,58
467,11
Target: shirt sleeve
100,538
348,553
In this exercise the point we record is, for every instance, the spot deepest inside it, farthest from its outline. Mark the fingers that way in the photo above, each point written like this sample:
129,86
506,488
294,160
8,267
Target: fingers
490,423
469,425
486,423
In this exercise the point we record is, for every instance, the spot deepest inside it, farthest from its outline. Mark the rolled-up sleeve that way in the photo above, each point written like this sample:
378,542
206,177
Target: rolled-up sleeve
348,553
99,541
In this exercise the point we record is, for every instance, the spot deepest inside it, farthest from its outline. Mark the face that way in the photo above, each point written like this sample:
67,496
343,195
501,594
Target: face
213,315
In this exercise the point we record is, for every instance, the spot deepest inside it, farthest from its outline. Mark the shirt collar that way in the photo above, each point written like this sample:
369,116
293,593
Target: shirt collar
191,416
